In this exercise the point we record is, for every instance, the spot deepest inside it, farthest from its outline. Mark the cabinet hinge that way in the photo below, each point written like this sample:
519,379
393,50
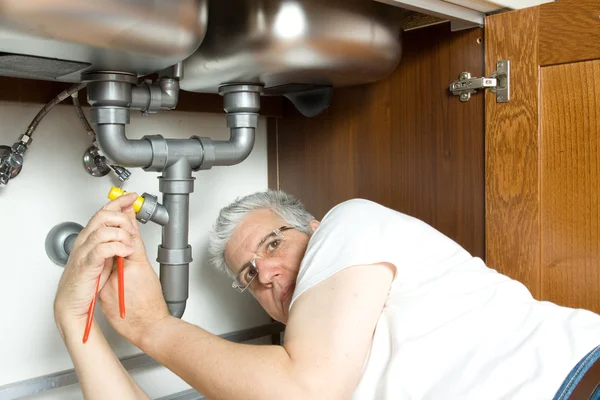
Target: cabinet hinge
498,82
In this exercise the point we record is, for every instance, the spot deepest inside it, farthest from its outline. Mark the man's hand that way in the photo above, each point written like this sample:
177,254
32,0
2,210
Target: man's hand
144,302
111,232
108,234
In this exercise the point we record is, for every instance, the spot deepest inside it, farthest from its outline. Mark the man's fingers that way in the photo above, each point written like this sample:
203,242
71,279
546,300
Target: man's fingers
106,218
98,255
136,237
121,202
107,234
130,212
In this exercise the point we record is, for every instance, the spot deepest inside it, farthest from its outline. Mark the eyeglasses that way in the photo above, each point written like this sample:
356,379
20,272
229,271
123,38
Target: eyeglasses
272,245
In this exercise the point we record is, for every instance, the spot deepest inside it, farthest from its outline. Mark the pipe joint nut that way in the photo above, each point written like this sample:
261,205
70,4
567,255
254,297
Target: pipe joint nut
19,149
26,139
209,154
148,208
174,256
242,120
109,88
241,97
109,115
175,186
155,99
160,153
153,211
108,76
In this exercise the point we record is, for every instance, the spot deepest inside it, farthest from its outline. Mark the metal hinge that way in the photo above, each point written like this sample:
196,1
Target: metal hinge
498,82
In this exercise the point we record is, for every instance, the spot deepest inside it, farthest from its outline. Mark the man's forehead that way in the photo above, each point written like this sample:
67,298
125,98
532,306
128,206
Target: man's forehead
255,222
248,233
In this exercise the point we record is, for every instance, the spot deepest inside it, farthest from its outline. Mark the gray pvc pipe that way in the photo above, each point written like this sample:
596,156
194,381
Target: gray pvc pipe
161,216
230,152
140,97
170,93
174,277
174,280
190,149
163,96
175,233
122,151
237,149
176,159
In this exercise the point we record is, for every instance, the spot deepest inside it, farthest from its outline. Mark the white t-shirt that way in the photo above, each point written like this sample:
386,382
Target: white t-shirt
451,328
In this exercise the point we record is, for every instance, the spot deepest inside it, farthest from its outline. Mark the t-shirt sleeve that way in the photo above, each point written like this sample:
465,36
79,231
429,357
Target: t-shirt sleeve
351,234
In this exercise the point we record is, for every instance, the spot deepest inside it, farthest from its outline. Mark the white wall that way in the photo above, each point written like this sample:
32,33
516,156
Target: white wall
53,187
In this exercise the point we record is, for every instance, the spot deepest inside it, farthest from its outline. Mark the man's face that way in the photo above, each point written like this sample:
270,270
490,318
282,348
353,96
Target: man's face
276,280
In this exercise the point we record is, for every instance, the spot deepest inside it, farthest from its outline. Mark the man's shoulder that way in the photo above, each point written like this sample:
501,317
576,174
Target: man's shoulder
370,217
350,219
357,207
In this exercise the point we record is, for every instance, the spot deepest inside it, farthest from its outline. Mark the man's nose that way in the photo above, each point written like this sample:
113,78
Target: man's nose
268,269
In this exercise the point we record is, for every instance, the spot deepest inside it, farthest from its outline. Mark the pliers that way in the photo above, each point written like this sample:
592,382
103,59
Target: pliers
121,278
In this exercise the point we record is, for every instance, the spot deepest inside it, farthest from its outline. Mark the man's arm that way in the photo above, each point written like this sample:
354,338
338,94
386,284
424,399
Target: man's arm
100,372
327,339
109,233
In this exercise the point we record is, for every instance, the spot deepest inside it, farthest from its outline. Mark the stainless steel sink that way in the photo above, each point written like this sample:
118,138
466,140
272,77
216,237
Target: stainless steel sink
58,39
290,44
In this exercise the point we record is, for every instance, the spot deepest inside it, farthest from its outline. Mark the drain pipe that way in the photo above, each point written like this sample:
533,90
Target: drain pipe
241,103
111,96
175,252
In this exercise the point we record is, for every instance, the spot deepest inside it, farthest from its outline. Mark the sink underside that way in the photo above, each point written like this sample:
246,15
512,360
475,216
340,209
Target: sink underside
282,44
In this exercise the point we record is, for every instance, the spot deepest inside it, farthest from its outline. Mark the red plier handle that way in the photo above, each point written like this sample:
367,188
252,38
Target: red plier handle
121,280
121,276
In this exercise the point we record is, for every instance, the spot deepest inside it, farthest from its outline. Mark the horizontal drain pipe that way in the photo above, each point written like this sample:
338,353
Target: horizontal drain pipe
111,96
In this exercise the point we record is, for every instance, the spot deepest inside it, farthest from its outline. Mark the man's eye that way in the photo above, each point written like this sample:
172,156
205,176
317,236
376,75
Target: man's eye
273,245
250,274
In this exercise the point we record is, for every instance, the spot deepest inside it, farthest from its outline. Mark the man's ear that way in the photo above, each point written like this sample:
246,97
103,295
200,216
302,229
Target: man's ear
314,224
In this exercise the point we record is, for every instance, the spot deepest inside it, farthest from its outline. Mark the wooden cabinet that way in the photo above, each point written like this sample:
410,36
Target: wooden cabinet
543,152
404,142
521,190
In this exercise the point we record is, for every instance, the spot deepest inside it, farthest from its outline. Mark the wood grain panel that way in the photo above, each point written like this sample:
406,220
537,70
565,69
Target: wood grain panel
569,31
272,154
30,91
404,141
316,156
270,106
571,184
512,170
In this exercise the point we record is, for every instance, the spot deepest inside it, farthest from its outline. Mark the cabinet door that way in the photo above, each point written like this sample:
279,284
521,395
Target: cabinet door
543,151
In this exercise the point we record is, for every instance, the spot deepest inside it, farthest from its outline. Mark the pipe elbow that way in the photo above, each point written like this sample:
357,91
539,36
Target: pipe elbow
242,143
170,93
153,97
120,150
224,153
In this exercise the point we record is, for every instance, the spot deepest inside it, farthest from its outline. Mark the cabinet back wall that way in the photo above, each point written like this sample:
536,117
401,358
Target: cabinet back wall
404,142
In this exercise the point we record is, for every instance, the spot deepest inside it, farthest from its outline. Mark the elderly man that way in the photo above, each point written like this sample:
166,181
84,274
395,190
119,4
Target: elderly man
378,305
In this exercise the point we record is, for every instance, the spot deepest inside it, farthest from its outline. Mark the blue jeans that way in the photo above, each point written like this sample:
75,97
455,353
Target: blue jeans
576,374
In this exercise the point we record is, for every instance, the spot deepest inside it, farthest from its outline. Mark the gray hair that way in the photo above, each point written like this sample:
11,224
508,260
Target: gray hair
289,208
